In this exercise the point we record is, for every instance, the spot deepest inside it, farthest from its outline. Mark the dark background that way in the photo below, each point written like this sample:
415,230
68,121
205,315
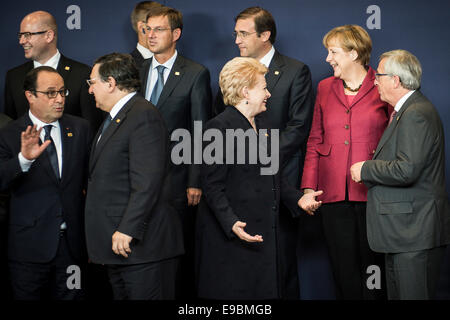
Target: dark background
422,27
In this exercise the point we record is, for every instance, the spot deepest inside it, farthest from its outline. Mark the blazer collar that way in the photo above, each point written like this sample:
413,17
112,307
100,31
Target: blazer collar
176,74
367,86
114,125
275,70
391,127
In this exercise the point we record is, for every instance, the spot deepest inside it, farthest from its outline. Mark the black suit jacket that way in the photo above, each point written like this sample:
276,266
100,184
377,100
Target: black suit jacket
78,103
127,191
39,201
407,205
186,97
290,109
137,57
4,119
235,192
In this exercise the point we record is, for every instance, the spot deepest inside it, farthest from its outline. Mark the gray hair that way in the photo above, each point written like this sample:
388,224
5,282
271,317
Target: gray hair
405,65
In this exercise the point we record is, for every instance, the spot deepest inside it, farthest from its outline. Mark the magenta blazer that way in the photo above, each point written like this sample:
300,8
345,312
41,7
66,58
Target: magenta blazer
342,134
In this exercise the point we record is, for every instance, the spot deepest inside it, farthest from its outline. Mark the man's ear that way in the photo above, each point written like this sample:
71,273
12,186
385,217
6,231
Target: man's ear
111,84
265,36
30,96
176,34
50,36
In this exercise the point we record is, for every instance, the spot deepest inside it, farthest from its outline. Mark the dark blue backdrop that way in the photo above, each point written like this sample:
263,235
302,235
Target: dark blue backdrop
421,27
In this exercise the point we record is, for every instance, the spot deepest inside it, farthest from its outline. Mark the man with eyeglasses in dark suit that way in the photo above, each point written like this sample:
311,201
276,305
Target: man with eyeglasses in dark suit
43,163
38,36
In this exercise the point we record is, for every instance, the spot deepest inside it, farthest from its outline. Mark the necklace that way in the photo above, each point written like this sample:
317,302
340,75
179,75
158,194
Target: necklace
350,89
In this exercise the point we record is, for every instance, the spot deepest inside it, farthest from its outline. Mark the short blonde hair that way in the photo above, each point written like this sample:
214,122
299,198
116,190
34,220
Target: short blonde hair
351,37
236,74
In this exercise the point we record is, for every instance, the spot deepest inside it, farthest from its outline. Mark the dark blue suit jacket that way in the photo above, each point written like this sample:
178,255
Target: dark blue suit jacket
40,201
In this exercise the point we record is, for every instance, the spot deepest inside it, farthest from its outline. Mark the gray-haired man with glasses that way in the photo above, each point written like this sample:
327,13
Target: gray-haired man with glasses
38,36
43,163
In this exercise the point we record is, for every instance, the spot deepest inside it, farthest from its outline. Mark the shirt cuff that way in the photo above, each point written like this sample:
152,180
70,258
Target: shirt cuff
25,164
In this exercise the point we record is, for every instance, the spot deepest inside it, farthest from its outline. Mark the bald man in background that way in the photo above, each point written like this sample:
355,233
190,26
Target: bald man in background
38,36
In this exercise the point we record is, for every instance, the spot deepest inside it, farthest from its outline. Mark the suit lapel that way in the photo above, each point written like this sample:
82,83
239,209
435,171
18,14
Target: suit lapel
391,128
367,86
338,90
64,68
67,139
176,74
275,71
112,128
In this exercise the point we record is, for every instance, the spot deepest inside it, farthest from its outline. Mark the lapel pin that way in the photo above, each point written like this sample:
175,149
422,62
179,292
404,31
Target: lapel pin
69,134
117,120
266,134
177,73
277,72
67,68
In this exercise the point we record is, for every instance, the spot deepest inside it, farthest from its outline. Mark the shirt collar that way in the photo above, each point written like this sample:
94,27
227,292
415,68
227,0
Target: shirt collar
168,64
268,57
52,62
402,100
119,104
39,124
147,54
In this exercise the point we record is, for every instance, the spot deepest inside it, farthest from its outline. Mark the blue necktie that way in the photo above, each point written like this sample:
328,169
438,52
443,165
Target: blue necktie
105,125
51,150
158,86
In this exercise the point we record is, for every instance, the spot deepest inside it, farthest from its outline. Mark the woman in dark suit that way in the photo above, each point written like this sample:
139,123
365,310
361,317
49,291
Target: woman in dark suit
238,236
349,119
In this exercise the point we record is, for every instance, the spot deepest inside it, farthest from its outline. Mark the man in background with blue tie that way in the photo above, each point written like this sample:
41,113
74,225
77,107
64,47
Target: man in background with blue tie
43,162
180,89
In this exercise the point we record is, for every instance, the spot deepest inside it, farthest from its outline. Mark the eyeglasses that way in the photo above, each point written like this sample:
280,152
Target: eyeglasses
28,35
156,30
90,82
378,75
52,94
242,34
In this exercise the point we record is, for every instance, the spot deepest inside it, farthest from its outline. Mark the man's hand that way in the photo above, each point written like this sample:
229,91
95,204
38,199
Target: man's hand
355,171
30,147
193,196
121,243
238,229
308,201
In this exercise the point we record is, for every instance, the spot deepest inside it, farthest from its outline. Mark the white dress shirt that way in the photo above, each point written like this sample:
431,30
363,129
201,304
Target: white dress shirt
52,62
147,54
268,57
153,74
55,133
402,100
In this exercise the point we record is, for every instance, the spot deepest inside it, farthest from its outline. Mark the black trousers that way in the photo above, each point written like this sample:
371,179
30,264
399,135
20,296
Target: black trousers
413,275
344,226
42,281
146,281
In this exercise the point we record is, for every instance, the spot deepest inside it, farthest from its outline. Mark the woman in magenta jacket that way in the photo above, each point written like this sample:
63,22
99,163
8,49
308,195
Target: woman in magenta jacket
349,119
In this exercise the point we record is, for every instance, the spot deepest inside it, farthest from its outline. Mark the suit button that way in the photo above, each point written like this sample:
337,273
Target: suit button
347,143
347,126
274,208
347,111
373,151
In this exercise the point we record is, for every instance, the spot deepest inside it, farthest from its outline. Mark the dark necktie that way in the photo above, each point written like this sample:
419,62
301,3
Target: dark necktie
392,117
106,123
158,86
51,150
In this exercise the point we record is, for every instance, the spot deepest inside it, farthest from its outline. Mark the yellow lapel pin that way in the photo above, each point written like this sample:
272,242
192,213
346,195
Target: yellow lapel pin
117,120
67,68
177,73
69,134
277,72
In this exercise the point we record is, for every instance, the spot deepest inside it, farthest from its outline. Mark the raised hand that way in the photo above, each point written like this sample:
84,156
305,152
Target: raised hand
30,147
